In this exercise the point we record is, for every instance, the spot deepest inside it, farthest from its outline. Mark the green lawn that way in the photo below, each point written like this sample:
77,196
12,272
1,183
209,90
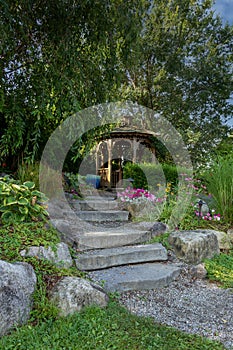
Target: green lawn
110,328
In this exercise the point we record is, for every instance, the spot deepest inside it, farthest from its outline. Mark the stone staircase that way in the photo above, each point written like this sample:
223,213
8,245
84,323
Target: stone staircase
99,209
115,251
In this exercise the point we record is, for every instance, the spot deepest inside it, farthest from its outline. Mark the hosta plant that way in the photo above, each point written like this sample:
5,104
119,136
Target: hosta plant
20,202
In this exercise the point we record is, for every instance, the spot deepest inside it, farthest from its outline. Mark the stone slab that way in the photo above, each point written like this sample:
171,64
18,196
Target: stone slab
98,204
98,216
136,277
111,239
105,196
104,258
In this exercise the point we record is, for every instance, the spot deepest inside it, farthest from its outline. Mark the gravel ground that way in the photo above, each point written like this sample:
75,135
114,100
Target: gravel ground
190,305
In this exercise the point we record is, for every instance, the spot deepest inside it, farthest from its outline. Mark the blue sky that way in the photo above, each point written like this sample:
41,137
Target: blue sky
225,9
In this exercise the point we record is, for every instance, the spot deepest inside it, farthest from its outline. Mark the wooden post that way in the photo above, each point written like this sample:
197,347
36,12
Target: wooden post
109,143
135,148
97,159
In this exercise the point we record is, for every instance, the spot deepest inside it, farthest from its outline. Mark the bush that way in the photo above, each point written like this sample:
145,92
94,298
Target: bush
135,172
148,176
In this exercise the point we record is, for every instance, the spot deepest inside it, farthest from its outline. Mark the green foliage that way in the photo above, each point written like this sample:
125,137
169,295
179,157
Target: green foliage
59,57
225,147
97,329
163,239
19,236
135,172
219,180
187,77
20,202
147,174
170,173
28,172
72,182
220,269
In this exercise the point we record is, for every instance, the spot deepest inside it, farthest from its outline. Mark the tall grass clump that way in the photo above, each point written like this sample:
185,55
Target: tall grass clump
28,172
219,181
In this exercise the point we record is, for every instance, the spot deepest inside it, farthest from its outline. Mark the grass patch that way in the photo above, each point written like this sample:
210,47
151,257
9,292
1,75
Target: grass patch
110,328
18,236
163,239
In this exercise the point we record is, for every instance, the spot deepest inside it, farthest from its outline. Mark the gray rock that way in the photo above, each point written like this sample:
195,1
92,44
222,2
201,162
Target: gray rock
230,235
17,284
158,229
225,241
198,271
194,246
71,294
60,256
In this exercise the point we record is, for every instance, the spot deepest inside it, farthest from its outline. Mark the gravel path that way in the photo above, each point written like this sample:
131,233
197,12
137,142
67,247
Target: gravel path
192,306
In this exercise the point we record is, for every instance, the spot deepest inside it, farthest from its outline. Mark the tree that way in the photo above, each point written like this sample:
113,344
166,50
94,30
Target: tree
183,69
58,57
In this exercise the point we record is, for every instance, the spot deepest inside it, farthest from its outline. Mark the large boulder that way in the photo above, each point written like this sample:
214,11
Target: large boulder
60,256
71,294
194,246
17,284
225,240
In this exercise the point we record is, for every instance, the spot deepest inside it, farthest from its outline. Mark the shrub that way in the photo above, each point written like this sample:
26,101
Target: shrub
148,175
135,172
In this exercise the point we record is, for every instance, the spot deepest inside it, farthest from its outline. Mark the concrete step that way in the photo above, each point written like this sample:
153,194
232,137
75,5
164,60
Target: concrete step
136,277
104,258
98,204
107,215
112,238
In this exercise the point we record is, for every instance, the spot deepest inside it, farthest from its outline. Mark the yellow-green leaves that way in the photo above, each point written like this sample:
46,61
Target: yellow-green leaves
19,203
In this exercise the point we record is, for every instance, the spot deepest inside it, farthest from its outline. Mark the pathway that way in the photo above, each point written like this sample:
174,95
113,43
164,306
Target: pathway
114,250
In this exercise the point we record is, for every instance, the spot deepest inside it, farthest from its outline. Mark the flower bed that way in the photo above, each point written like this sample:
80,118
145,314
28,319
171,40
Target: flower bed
139,202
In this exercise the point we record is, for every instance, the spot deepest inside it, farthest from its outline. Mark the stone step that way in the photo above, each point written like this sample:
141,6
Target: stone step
98,204
112,239
104,258
107,215
108,197
136,277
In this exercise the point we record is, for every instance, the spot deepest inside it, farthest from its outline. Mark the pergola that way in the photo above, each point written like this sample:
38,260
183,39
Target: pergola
125,143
